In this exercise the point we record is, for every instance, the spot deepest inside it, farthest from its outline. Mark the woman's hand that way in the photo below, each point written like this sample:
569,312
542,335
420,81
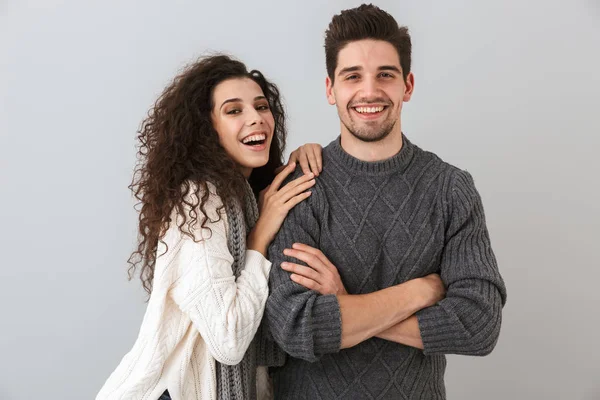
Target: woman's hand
310,158
274,204
320,275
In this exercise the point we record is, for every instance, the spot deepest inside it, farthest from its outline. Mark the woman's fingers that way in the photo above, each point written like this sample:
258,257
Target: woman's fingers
313,160
294,187
291,203
280,177
288,194
310,158
301,157
318,150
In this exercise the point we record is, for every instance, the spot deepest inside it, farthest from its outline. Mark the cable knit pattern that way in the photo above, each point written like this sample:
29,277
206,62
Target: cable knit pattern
200,312
383,223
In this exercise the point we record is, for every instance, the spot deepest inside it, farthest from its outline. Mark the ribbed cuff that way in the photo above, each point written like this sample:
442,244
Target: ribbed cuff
257,263
435,335
327,325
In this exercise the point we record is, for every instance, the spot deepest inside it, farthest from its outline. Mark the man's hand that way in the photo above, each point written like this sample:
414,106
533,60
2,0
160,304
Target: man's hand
432,289
320,275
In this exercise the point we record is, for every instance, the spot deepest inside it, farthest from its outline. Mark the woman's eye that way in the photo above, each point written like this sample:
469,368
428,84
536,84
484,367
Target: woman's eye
263,107
233,111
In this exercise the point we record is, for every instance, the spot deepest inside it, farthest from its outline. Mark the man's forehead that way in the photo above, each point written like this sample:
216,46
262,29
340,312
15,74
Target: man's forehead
368,54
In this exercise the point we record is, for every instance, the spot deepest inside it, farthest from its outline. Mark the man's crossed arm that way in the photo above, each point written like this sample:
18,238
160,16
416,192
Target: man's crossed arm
415,313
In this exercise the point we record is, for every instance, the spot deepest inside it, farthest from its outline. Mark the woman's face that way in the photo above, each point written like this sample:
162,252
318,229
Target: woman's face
242,118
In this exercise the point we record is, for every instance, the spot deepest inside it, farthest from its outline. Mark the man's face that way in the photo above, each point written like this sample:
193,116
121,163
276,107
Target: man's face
369,89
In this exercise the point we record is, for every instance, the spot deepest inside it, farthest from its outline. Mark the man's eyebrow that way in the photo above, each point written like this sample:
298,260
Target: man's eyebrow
358,68
349,69
389,68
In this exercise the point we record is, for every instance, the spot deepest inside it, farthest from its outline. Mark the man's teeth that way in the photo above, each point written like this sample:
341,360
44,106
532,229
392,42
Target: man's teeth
254,138
369,110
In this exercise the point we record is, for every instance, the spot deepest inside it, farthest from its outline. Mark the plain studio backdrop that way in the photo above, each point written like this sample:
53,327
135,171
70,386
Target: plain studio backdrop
505,89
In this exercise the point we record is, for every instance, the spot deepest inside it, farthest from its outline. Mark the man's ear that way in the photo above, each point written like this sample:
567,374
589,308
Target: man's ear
329,91
410,87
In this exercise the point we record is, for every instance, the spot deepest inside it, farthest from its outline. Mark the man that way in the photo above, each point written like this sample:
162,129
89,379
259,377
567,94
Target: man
390,217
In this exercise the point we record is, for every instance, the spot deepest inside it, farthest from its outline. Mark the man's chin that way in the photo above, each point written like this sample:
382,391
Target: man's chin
370,137
372,131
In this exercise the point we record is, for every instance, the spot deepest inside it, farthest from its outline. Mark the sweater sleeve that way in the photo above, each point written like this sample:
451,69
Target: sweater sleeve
468,320
304,323
225,311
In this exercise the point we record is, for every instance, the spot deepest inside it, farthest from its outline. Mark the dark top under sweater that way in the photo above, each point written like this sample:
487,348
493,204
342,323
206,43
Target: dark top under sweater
381,224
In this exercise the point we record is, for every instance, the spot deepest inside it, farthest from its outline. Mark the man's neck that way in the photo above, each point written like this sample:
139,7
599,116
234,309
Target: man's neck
372,151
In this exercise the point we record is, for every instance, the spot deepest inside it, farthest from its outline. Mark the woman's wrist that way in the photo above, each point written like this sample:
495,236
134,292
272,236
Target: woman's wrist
256,243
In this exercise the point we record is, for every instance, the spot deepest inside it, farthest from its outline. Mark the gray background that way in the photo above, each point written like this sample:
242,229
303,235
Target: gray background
505,89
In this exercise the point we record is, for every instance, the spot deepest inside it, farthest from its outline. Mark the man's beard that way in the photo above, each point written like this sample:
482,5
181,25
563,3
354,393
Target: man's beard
368,135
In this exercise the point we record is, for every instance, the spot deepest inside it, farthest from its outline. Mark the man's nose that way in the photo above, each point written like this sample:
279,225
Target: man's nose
370,88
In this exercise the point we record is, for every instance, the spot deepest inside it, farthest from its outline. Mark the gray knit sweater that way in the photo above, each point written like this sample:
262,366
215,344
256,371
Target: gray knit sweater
383,223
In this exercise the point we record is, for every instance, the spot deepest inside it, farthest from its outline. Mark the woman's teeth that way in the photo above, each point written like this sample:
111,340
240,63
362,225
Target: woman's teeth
254,138
369,110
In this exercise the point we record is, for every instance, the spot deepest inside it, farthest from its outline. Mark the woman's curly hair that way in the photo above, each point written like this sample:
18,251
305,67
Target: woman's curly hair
179,152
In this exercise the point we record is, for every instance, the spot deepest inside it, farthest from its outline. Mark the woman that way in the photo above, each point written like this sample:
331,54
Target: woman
212,143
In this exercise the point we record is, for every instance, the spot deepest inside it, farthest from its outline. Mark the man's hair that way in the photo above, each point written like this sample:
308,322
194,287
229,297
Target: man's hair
365,22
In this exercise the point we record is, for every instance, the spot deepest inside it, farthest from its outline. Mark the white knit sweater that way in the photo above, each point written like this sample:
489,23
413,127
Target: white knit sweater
197,313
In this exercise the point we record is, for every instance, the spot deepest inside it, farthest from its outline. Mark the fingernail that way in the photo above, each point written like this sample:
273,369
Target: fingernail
284,265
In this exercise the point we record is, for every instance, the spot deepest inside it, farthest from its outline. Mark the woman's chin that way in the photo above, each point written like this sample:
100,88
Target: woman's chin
255,162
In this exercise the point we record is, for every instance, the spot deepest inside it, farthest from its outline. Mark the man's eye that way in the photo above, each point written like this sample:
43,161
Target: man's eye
352,77
386,75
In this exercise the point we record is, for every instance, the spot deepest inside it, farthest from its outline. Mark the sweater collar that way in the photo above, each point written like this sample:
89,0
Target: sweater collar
397,162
